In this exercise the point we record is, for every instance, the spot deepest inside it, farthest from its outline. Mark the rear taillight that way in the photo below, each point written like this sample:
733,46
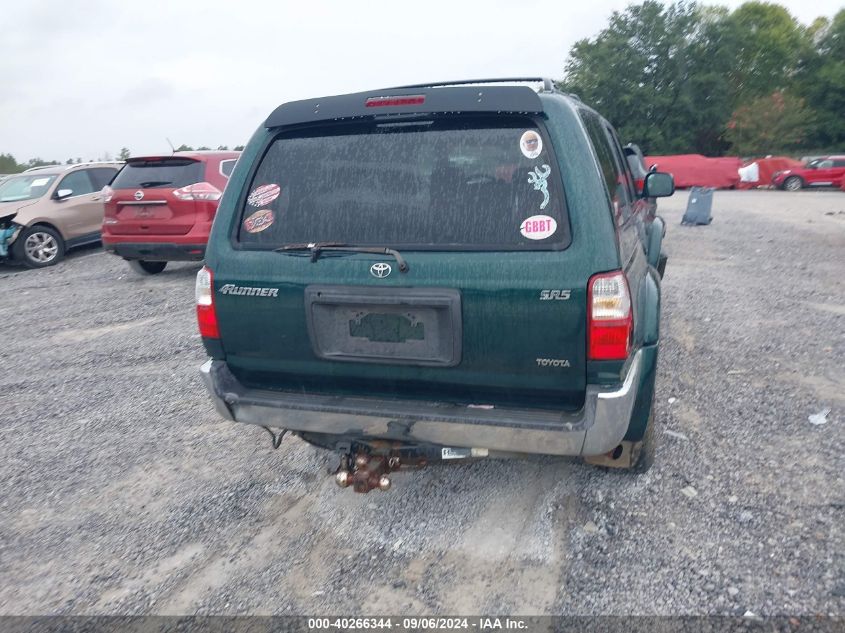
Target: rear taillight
198,191
206,314
108,193
610,321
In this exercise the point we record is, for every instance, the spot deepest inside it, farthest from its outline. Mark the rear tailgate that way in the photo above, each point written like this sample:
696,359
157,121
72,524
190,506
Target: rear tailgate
492,308
486,328
143,202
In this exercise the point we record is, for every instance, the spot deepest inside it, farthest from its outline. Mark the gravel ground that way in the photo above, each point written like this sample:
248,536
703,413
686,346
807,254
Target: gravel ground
123,493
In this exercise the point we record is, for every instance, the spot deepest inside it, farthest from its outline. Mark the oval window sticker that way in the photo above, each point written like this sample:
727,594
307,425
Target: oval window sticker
263,195
258,221
530,144
538,227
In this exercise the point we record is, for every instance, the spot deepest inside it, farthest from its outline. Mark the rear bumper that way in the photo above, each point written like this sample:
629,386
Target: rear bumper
597,428
156,251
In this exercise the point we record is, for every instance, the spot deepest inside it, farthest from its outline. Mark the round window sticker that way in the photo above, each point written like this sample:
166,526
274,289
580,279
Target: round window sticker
531,144
538,227
258,221
263,195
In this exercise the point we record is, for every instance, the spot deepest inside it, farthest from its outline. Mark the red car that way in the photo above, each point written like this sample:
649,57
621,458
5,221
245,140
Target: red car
827,171
160,208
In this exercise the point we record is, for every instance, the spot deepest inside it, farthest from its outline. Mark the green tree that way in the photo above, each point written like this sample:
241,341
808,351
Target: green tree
770,124
766,43
222,148
238,148
124,153
203,149
184,148
822,81
39,162
8,164
656,73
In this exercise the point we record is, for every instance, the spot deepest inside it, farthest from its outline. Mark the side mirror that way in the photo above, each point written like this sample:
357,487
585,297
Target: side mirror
61,194
658,184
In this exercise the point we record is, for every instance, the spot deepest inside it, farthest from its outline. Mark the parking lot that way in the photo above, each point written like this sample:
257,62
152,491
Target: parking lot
124,493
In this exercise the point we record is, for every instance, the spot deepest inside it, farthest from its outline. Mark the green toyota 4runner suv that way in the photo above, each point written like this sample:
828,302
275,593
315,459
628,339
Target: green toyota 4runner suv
439,271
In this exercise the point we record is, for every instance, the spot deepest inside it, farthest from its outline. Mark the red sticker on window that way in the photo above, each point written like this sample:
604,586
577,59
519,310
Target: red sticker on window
258,221
263,195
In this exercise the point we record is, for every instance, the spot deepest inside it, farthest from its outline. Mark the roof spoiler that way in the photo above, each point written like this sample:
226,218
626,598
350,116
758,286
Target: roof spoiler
434,98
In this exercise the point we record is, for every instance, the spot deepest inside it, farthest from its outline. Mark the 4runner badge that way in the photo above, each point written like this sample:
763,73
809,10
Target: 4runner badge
232,289
380,270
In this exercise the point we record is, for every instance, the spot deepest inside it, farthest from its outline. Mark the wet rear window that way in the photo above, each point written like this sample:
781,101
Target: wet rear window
165,173
435,184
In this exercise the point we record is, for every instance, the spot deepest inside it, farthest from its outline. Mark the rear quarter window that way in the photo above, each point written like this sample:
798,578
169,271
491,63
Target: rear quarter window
101,176
435,185
226,166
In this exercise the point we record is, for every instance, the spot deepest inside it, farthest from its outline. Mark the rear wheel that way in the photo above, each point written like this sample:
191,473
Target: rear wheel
793,183
39,246
635,457
643,459
143,267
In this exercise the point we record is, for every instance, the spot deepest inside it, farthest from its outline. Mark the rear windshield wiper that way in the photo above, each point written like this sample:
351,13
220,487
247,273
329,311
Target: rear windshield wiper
316,248
154,183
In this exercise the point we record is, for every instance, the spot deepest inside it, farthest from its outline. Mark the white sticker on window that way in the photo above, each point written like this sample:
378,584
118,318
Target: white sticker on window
538,227
39,182
530,144
263,195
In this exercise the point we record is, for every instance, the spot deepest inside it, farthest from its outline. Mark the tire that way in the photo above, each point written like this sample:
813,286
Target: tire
39,246
793,183
648,447
143,267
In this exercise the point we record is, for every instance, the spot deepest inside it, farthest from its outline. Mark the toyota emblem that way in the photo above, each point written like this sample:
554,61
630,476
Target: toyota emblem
380,270
139,194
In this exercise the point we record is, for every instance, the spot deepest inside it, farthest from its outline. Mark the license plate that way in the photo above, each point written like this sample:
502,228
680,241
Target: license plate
455,453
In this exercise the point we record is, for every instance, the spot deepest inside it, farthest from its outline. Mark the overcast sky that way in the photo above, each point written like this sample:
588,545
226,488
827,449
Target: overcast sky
82,78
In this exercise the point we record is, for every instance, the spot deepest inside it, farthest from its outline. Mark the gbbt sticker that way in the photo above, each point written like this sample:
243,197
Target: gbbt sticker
263,195
538,227
258,221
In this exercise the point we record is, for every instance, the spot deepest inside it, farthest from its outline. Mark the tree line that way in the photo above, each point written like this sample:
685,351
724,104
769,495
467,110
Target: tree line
9,165
687,78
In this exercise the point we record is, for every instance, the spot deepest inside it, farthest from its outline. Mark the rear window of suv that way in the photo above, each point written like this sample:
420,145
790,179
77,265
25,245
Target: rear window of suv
434,185
170,173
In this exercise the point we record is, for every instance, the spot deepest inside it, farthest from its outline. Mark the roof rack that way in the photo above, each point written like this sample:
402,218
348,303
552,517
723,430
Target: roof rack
65,166
548,84
40,167
94,162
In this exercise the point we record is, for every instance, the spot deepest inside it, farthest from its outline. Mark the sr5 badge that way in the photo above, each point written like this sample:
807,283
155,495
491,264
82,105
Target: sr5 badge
554,295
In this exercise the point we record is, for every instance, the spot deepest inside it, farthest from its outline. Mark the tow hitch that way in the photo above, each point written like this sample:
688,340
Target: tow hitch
369,471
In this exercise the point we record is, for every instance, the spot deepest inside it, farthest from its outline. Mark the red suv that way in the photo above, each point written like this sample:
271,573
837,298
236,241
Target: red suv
819,172
160,208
